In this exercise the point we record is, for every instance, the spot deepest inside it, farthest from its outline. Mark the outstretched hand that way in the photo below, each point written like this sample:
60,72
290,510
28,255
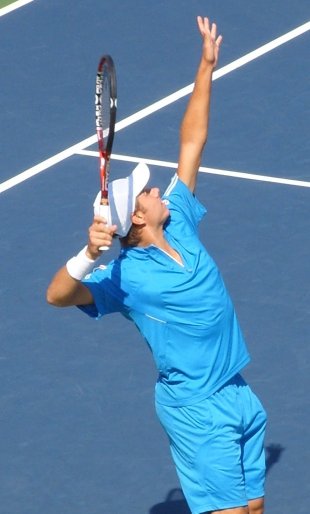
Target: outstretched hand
211,42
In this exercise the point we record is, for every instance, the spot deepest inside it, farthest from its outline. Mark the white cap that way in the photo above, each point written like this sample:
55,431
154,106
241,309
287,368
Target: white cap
122,195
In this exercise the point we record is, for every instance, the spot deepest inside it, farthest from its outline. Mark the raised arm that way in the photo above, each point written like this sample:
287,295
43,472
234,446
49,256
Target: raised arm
194,127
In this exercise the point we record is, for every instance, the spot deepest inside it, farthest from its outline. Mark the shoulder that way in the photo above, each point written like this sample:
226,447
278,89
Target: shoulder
183,203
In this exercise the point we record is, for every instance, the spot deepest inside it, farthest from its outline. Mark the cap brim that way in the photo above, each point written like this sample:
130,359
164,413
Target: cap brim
140,177
123,194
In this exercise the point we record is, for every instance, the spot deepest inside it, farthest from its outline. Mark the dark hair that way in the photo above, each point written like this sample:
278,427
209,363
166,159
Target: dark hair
132,238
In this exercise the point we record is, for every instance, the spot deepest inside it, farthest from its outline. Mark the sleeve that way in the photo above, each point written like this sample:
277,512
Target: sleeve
107,295
185,209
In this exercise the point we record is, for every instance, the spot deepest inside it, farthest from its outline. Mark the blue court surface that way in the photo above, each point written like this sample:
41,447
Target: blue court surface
78,432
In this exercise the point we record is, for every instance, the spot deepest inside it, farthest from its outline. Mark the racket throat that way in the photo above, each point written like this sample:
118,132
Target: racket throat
104,200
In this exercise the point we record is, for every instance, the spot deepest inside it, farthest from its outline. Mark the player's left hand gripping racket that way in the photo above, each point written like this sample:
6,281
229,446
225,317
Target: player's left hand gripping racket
106,104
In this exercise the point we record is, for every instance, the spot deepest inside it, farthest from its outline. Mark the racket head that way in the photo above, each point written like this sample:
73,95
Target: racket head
105,109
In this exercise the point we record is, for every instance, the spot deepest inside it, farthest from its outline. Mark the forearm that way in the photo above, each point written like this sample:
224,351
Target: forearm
194,127
63,289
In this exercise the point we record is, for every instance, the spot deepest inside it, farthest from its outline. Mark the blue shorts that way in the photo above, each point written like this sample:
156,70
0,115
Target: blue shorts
218,447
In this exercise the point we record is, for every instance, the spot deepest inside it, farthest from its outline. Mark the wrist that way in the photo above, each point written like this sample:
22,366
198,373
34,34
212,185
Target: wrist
92,256
207,66
79,265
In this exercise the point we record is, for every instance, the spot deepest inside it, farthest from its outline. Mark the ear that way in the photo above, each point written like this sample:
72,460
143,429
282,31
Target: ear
137,218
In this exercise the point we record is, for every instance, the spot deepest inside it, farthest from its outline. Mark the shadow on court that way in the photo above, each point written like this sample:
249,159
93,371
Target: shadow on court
273,455
175,502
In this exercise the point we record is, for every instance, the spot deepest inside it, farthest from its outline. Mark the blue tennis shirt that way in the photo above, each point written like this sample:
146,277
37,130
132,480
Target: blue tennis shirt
184,312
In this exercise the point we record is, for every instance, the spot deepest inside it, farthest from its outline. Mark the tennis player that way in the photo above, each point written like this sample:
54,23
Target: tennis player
165,281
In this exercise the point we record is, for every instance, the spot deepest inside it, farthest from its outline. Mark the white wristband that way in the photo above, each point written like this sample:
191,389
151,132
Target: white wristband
80,265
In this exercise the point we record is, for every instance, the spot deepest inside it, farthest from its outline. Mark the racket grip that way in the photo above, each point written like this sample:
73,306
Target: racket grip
104,212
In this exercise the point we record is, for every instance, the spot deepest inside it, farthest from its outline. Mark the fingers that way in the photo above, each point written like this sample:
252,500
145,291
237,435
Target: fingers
100,234
218,41
211,41
200,22
213,31
206,30
204,26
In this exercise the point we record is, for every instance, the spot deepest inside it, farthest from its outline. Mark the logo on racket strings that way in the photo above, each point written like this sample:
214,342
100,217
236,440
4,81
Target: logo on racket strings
98,104
98,101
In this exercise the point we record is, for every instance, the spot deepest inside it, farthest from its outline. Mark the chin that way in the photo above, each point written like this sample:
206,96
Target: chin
166,215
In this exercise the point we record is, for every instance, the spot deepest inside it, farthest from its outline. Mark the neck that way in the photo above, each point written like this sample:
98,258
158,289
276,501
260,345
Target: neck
158,239
153,237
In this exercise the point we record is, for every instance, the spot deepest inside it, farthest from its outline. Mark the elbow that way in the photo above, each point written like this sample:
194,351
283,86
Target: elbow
193,146
53,298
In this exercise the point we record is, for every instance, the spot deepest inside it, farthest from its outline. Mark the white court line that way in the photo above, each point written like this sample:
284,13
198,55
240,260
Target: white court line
12,7
44,165
203,169
21,177
216,75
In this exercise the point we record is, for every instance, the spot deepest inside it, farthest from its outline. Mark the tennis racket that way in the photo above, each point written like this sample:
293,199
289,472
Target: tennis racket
105,108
